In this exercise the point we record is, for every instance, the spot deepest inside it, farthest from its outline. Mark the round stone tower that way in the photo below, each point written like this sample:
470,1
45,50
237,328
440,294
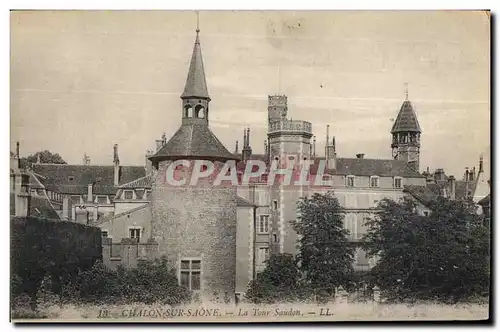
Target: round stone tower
194,223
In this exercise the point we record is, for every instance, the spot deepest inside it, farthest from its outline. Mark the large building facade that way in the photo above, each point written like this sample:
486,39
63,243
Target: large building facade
219,238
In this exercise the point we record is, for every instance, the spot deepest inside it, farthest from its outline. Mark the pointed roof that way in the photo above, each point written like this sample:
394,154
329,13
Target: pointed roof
406,120
196,84
193,141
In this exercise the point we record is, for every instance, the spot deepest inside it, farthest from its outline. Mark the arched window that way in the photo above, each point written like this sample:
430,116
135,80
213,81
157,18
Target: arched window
200,112
188,111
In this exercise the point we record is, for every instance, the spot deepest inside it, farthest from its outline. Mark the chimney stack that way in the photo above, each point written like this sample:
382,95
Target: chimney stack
116,162
89,192
149,164
314,147
481,164
360,155
452,187
65,208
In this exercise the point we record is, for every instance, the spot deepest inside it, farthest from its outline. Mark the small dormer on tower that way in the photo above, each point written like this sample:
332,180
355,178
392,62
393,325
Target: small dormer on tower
406,135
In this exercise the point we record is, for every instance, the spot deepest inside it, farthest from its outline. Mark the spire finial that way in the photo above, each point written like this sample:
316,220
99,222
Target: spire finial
197,22
406,91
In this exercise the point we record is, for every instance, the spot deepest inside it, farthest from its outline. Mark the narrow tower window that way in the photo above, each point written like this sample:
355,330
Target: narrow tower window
188,111
200,112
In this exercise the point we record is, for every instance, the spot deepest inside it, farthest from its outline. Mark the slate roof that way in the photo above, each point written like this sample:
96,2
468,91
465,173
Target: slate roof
74,179
380,167
144,182
424,194
40,207
196,83
406,120
193,141
485,201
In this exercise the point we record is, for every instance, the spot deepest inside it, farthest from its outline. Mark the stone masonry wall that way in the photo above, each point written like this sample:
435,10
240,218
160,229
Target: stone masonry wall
197,222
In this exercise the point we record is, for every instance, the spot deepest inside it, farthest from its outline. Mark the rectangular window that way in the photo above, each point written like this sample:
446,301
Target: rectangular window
362,260
275,205
398,183
426,213
275,238
262,255
191,274
263,225
350,181
374,182
147,195
128,194
135,233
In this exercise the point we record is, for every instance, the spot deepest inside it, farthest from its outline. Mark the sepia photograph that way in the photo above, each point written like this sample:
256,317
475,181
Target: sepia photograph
228,166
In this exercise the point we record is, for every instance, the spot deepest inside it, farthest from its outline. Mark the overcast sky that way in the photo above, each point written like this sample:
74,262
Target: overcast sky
82,81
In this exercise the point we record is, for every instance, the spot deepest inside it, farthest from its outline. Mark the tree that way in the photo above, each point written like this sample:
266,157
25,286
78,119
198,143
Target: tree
324,254
46,157
443,256
280,281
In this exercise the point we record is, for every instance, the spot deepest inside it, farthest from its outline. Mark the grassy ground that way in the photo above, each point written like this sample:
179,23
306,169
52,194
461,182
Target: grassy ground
280,312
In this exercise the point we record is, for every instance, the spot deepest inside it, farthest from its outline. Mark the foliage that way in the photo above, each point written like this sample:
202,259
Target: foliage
324,254
443,256
40,247
152,281
279,281
46,157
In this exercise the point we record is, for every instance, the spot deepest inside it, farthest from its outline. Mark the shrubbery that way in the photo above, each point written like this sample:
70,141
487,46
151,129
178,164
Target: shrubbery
150,282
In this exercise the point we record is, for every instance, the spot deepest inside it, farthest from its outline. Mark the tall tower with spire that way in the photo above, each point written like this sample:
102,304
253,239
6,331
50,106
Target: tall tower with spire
406,135
195,224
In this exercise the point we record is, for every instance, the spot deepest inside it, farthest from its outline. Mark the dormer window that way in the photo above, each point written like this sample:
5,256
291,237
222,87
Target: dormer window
349,181
374,181
128,194
398,182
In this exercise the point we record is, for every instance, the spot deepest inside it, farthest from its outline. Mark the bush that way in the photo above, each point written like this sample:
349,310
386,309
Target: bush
280,281
152,281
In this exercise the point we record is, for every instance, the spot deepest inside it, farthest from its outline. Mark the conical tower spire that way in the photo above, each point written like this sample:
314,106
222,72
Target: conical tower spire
196,83
194,139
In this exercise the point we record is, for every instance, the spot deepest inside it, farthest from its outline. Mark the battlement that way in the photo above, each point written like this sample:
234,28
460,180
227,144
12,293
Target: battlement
127,252
277,100
297,126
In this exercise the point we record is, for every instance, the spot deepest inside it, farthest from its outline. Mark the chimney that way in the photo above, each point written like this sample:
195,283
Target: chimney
246,152
159,144
327,141
360,155
481,164
22,196
314,147
94,213
89,192
149,164
236,148
116,162
65,208
452,187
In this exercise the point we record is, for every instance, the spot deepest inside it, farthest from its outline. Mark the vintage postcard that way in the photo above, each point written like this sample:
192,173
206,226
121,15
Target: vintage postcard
249,166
